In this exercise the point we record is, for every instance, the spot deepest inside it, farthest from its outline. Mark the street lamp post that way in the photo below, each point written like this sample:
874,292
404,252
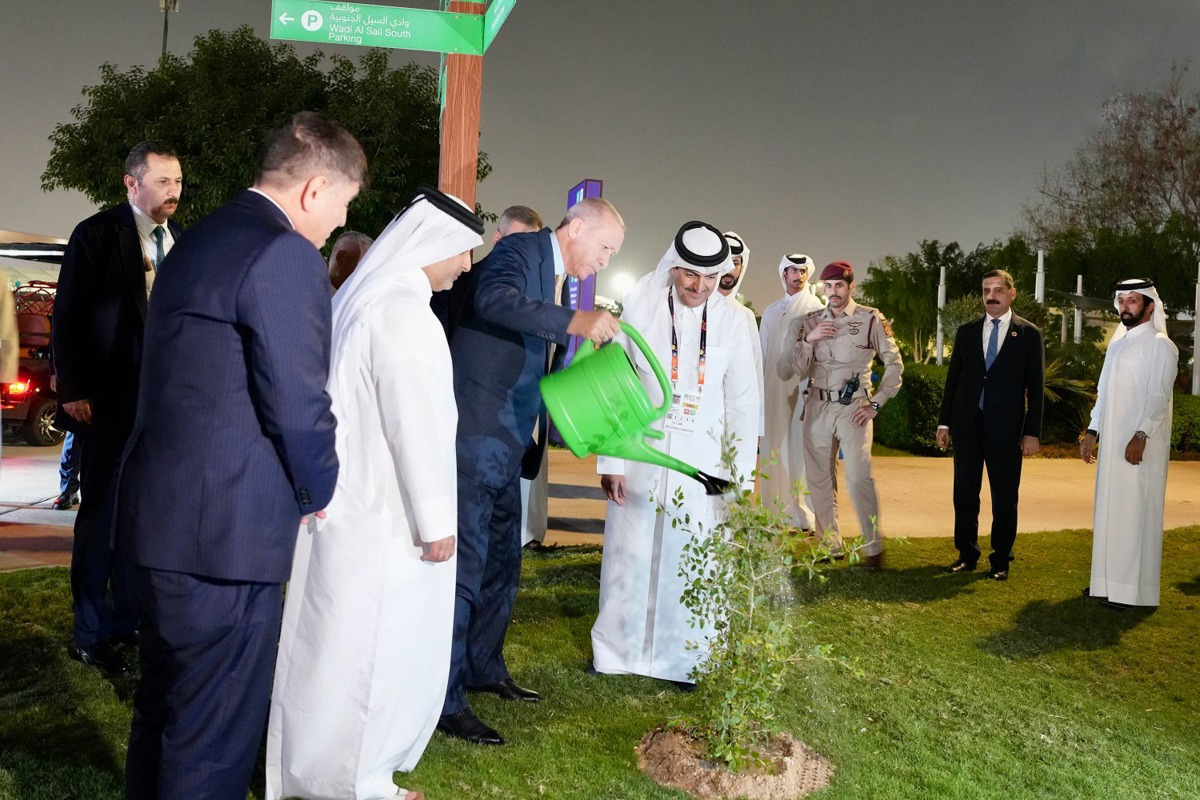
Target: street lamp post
165,6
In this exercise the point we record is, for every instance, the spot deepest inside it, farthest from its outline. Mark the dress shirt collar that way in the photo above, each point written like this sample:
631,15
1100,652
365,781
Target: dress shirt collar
560,267
146,226
272,199
1005,320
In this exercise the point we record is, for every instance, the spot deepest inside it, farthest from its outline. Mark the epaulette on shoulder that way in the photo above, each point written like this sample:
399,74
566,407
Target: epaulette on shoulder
814,313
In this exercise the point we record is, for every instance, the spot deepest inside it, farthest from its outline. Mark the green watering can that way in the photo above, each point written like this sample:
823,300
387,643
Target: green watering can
599,406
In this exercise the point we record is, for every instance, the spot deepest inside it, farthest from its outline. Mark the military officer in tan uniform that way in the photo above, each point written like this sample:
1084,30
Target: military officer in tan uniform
834,350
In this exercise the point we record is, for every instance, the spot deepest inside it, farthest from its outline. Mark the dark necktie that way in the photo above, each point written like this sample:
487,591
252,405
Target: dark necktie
990,357
159,255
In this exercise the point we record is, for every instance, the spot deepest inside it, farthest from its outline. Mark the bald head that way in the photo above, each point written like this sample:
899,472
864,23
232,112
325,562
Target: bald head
347,251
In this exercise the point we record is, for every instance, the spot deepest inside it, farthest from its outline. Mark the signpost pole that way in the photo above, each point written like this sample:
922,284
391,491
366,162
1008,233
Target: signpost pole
458,167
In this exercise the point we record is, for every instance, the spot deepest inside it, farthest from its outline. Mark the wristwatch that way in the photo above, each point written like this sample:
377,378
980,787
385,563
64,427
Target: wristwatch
1140,435
874,405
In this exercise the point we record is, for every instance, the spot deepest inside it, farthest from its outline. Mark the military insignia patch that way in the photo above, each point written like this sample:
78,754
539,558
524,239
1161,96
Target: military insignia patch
887,327
853,331
1013,334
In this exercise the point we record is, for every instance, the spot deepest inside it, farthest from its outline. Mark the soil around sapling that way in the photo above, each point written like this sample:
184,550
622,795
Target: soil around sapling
793,770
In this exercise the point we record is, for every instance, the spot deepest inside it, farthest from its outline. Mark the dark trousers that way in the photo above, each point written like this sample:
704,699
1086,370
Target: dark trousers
68,466
489,570
100,589
200,712
974,448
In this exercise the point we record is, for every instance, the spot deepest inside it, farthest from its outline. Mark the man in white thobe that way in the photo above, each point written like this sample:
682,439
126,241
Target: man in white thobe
1132,424
728,285
705,345
783,394
364,653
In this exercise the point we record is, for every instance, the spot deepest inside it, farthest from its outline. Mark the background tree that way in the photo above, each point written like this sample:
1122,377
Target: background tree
1128,202
905,288
216,105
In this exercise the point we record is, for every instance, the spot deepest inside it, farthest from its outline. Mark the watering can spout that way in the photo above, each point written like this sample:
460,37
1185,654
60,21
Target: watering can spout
712,484
637,450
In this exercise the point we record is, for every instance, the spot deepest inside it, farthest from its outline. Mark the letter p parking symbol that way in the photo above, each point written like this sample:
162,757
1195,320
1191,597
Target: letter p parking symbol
312,20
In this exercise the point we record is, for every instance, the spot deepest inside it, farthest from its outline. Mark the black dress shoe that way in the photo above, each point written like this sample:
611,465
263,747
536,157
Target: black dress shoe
687,687
873,563
100,656
64,501
465,725
508,689
999,574
961,566
590,669
1115,605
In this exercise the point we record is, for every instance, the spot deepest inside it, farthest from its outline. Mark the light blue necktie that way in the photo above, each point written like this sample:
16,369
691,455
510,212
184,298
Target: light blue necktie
159,255
990,357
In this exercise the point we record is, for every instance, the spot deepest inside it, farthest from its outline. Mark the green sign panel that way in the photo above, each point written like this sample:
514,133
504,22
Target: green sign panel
496,13
380,26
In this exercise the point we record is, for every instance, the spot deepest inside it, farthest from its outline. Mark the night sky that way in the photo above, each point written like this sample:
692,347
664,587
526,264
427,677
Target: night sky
844,130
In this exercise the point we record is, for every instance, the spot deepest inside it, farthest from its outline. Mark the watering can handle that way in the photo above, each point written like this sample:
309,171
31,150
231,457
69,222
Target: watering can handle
637,339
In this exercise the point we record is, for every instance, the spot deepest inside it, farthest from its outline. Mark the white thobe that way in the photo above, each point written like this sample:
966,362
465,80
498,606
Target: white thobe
535,499
783,404
364,654
643,627
758,356
1133,394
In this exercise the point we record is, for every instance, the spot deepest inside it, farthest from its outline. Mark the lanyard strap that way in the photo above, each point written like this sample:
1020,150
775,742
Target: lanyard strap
675,342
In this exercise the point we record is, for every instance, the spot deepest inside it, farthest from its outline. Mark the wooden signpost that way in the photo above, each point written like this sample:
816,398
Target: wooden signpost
461,31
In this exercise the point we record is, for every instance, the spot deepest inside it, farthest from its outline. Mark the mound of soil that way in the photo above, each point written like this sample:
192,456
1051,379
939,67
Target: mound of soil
792,771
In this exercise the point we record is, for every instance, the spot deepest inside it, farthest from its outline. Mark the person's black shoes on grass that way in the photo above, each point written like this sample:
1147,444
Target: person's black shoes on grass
961,566
508,689
465,725
100,656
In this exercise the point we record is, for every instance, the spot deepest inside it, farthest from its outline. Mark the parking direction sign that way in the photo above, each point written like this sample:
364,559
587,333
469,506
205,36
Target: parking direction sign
493,18
378,26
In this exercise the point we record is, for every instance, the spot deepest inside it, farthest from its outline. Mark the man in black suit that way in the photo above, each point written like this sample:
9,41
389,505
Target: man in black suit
107,273
501,349
233,445
992,412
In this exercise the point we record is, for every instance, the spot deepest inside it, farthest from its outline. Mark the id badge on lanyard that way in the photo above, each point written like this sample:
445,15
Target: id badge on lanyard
684,413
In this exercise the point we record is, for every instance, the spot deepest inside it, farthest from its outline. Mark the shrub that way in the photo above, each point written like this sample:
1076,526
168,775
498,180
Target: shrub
909,420
1185,424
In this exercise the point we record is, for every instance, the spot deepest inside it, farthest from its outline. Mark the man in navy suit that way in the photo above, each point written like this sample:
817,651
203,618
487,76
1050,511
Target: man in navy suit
992,412
501,349
108,269
233,445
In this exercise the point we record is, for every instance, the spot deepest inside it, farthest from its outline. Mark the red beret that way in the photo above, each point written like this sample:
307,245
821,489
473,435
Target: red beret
838,271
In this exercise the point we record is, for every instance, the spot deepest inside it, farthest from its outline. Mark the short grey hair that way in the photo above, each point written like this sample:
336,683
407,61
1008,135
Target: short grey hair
522,215
591,209
347,239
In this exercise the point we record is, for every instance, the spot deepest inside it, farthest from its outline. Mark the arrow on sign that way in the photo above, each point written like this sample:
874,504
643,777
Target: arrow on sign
284,19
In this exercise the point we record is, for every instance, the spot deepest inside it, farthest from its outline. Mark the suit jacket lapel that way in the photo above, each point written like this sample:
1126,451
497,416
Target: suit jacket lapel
1016,330
547,265
133,259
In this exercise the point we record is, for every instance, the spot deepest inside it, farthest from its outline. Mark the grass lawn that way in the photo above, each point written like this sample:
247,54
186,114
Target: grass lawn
972,689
